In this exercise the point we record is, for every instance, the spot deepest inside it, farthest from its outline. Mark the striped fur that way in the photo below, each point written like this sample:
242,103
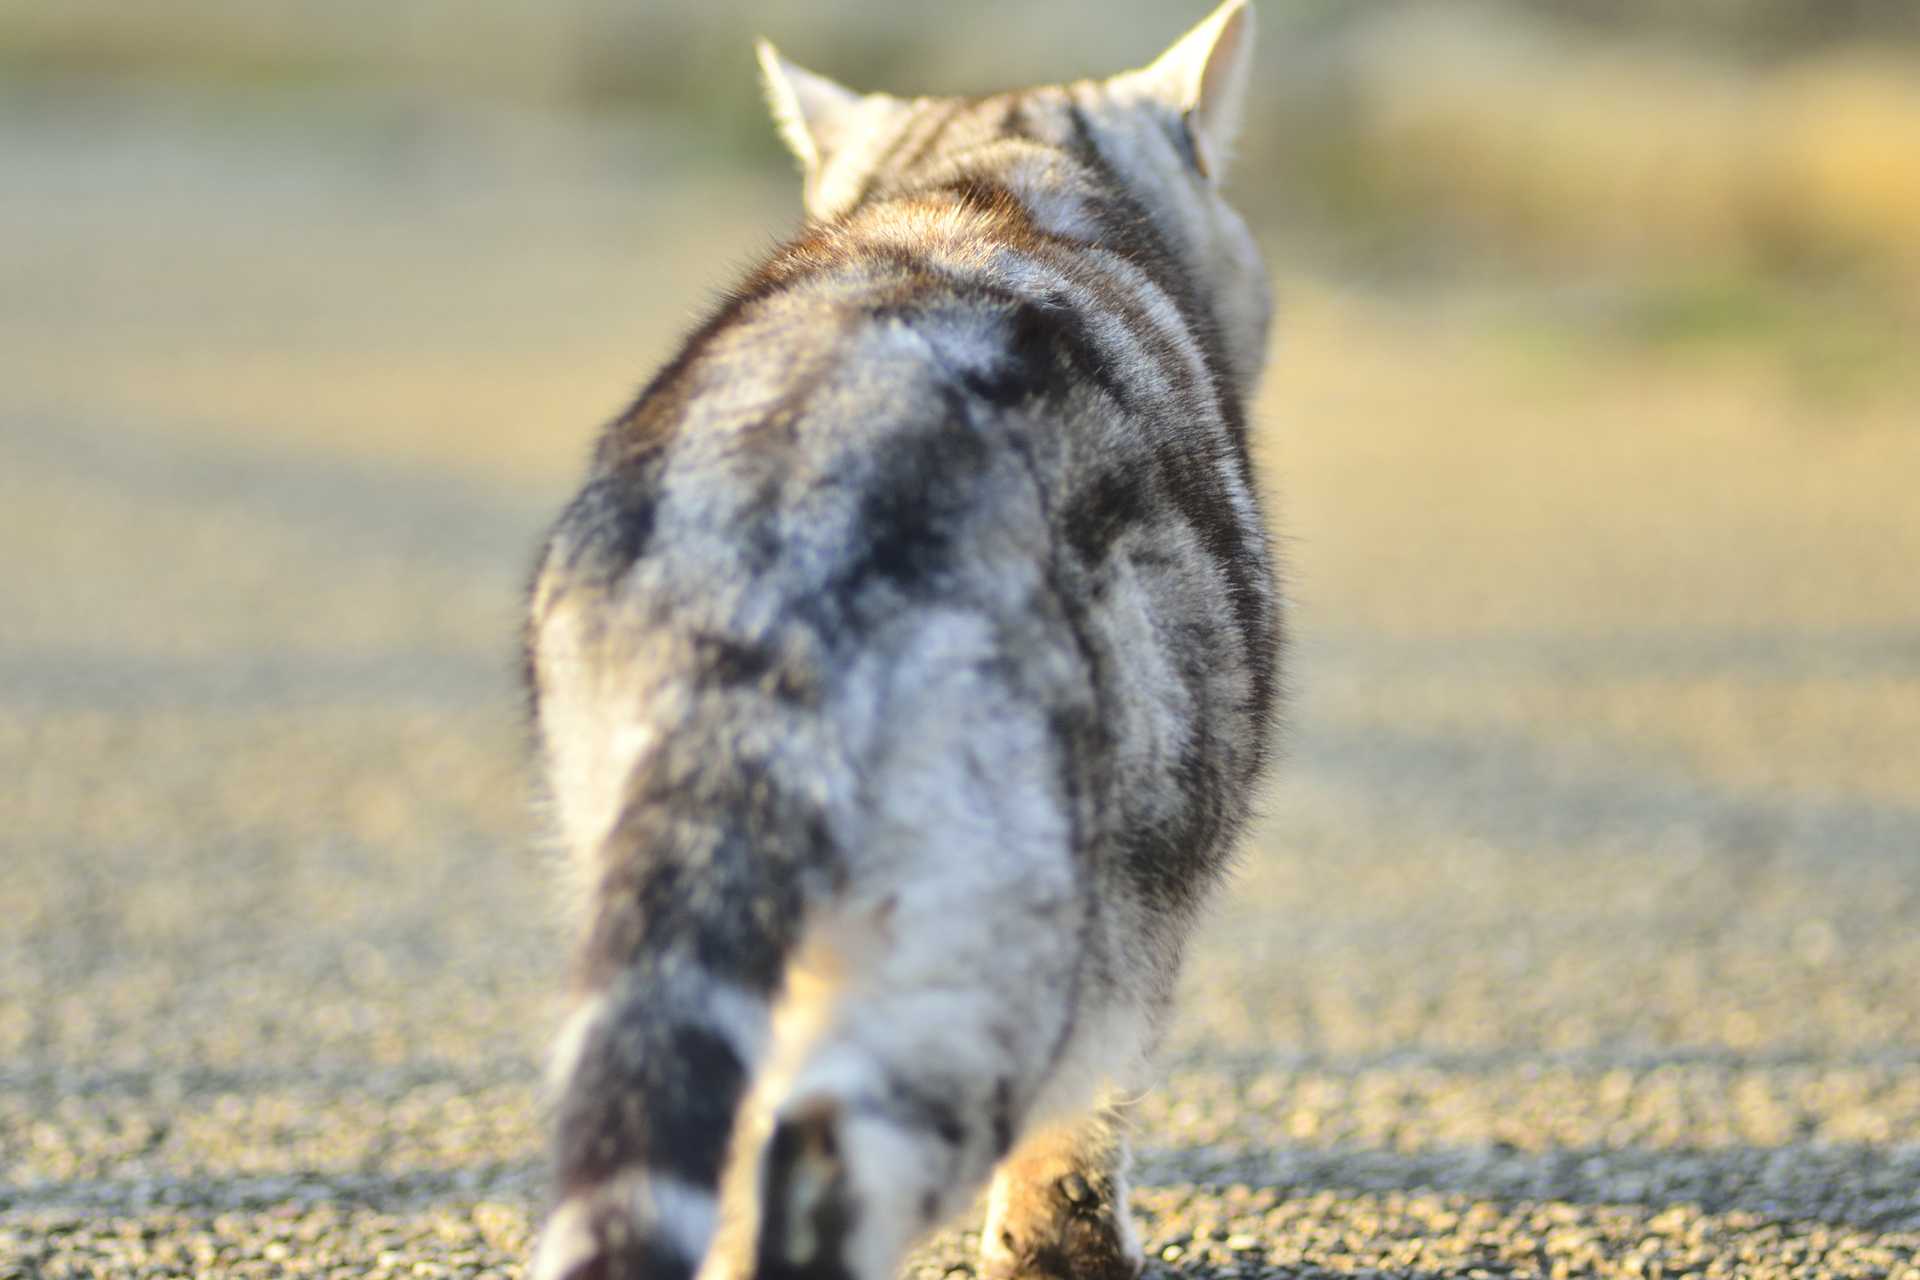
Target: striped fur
902,672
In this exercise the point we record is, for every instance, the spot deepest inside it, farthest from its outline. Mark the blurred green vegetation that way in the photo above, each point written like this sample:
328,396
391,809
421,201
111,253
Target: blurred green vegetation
1768,147
1832,345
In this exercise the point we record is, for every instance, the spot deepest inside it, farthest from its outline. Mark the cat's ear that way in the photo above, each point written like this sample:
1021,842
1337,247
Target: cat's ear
812,111
1204,77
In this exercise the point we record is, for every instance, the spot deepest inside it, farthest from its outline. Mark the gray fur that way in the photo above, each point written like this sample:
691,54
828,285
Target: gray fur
902,673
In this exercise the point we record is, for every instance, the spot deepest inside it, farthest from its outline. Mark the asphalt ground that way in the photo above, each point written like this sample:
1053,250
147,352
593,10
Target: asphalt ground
1577,937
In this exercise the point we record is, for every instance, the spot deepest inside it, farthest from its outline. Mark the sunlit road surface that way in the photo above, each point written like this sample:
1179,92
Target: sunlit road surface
1578,936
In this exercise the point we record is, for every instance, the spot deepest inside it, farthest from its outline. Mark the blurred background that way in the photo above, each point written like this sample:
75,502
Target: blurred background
1593,428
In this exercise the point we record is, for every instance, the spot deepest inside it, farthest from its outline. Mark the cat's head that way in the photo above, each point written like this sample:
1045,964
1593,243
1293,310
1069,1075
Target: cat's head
1084,158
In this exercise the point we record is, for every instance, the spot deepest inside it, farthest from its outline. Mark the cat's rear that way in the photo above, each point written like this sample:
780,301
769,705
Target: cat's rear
902,672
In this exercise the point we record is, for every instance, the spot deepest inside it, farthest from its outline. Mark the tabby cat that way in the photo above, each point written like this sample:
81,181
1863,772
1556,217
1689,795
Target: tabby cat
901,675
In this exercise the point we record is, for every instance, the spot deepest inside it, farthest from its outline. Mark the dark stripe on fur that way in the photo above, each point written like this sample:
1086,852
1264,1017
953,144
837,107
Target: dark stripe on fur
647,1094
711,863
907,149
1050,354
1201,497
916,496
1125,224
942,122
1111,503
1000,1116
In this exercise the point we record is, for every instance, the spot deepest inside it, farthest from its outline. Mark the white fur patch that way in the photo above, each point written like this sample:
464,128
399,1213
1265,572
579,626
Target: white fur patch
572,1041
566,1242
681,1213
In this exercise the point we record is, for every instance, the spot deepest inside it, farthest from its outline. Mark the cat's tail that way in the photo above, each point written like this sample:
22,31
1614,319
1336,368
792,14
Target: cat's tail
673,986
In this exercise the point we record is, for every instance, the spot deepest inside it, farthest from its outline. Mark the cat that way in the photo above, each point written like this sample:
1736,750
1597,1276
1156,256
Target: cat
901,675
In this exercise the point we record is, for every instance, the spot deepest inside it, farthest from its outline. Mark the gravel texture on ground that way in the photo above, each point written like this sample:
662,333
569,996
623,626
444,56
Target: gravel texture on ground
1572,942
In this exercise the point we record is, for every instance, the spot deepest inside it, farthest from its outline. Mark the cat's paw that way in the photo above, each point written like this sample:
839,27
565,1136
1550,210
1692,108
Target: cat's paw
1073,1227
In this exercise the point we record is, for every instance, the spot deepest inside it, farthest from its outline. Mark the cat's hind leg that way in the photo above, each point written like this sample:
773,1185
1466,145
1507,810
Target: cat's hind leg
887,1129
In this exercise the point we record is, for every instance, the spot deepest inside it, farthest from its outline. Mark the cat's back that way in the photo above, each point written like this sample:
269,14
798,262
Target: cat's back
920,399
819,535
929,475
872,425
